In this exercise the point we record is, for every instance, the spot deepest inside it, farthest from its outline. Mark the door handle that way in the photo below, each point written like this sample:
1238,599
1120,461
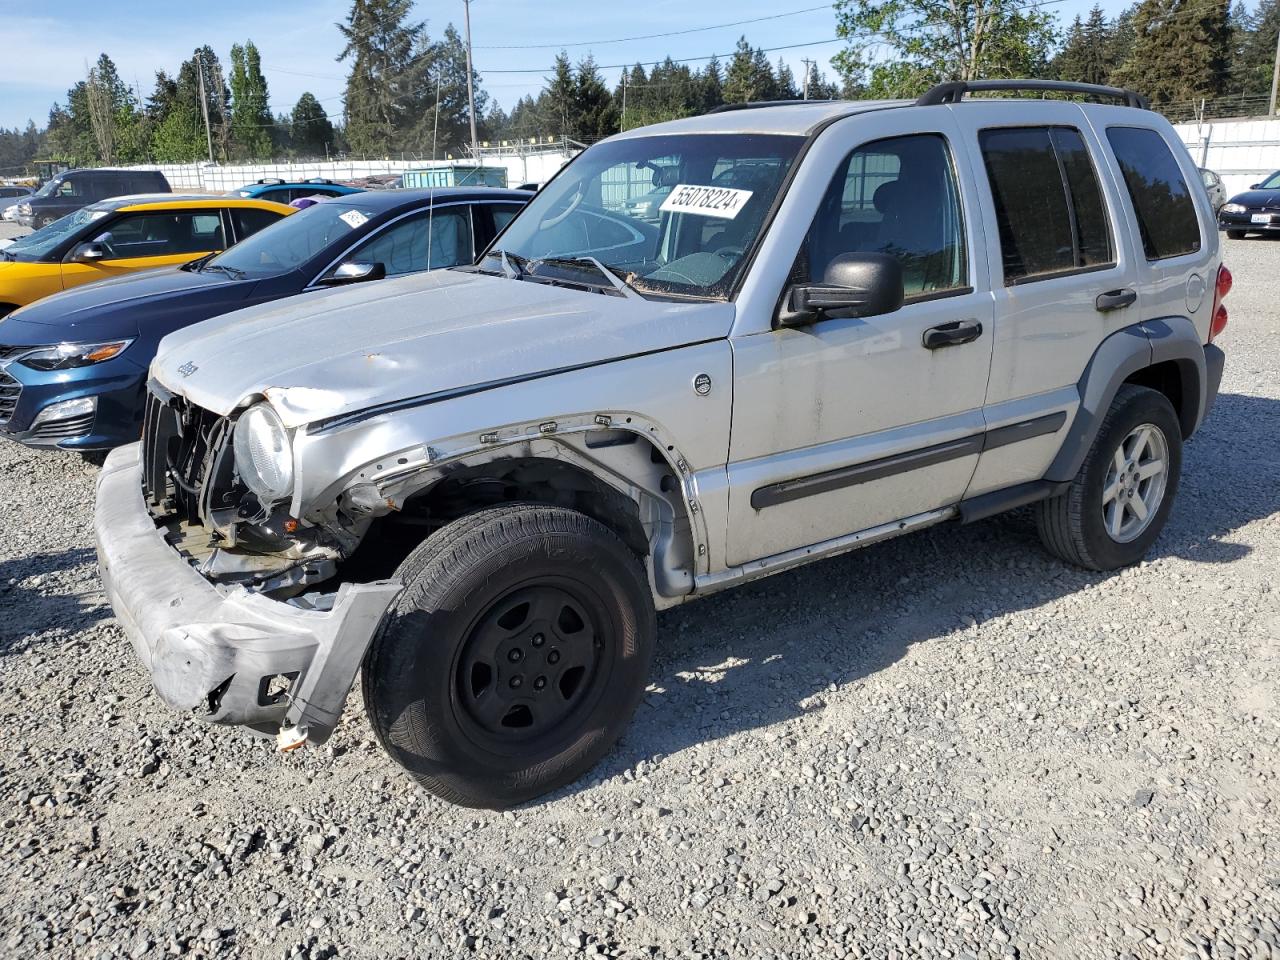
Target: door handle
952,334
1116,299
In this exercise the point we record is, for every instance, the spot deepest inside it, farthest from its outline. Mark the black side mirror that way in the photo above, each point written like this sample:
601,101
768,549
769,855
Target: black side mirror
1255,186
89,253
854,285
354,272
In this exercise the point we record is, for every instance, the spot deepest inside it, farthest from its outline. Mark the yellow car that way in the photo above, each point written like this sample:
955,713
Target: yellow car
115,237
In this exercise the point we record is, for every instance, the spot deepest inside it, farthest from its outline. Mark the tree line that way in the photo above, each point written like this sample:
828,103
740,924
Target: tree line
1176,52
406,91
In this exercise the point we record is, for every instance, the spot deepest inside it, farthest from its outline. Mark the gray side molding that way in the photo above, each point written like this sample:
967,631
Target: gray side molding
1117,358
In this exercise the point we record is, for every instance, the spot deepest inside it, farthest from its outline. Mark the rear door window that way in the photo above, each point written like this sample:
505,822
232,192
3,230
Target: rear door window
159,234
1048,203
1161,199
249,220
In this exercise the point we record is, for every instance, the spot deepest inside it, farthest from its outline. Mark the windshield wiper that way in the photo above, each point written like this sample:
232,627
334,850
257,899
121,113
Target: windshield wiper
614,280
513,266
234,273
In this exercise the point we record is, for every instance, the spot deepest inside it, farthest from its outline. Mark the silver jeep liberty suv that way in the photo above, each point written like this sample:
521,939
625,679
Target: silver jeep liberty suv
834,323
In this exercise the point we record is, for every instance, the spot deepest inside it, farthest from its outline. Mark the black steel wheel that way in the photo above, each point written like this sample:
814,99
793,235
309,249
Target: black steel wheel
515,656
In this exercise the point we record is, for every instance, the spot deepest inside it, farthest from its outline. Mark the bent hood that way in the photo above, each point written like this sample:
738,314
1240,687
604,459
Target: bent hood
324,355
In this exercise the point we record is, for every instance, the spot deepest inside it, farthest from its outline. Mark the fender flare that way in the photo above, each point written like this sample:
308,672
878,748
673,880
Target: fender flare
1117,358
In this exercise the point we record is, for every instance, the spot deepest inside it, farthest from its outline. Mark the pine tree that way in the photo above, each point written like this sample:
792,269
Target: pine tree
251,120
310,131
1087,55
749,77
1180,51
381,91
559,95
1253,57
595,116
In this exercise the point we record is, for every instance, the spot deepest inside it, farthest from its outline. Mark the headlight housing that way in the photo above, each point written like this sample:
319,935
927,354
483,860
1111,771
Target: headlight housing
264,453
66,356
1234,208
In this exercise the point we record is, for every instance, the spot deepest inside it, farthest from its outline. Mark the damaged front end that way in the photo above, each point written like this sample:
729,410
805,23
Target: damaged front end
229,532
211,584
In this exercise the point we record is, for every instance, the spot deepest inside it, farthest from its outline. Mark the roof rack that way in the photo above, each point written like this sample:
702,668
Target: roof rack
757,104
953,91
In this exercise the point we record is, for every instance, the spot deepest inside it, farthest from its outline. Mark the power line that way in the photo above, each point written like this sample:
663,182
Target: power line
652,36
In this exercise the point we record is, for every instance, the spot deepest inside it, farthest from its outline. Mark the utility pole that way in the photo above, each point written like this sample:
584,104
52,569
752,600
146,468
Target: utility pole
471,94
808,72
1275,78
435,124
204,104
623,127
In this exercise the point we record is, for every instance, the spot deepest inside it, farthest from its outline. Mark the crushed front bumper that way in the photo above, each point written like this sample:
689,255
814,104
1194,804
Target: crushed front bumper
233,656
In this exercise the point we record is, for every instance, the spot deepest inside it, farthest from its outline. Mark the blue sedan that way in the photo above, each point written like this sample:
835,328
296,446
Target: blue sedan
73,366
286,191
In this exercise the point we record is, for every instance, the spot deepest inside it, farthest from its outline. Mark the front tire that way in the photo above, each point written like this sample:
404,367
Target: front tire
1235,234
1118,503
515,656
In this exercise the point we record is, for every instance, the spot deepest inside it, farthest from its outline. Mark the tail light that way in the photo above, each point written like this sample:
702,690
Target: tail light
1220,290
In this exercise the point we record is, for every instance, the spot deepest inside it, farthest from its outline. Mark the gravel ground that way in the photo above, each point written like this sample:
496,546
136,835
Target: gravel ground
945,746
9,230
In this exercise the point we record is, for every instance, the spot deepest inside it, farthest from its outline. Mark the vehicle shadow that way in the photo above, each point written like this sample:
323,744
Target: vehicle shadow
32,603
766,652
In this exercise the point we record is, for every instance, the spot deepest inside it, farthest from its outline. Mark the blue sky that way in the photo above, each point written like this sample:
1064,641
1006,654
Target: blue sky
48,48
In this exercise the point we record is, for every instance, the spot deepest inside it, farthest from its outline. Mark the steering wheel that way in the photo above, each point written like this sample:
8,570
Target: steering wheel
730,252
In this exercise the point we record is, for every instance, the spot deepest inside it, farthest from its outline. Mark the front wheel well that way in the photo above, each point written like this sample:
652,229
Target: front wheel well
1179,381
534,480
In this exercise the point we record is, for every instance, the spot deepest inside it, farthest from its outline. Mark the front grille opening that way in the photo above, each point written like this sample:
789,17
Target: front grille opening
217,693
274,688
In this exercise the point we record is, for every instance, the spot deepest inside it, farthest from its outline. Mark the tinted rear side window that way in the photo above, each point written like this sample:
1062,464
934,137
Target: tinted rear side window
1161,198
1048,203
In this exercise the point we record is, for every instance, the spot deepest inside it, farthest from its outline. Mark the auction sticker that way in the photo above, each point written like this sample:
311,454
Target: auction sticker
723,202
354,218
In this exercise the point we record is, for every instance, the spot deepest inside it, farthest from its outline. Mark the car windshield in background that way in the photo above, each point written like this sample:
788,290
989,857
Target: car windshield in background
1271,183
47,239
667,215
291,242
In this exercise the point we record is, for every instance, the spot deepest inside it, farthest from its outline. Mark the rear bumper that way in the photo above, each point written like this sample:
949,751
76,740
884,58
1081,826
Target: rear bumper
1214,362
217,651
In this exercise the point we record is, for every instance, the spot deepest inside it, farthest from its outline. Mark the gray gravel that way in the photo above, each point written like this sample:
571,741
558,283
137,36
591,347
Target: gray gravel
945,746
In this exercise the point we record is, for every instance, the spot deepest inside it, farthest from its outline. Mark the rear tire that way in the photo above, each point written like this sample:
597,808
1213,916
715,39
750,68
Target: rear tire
1235,234
1116,506
515,656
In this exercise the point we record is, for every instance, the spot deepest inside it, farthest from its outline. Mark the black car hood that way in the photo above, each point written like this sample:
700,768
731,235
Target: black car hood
1258,198
125,306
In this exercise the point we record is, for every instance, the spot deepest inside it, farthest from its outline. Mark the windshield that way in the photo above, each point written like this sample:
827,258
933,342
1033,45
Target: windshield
1271,183
49,188
47,239
289,243
708,196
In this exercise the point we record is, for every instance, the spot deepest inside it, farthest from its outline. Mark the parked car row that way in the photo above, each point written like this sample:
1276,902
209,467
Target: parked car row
827,324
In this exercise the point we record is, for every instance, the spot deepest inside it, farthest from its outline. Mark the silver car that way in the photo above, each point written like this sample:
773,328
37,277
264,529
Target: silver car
1213,186
477,486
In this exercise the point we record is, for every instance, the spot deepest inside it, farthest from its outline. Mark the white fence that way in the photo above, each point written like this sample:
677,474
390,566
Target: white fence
528,168
1241,151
